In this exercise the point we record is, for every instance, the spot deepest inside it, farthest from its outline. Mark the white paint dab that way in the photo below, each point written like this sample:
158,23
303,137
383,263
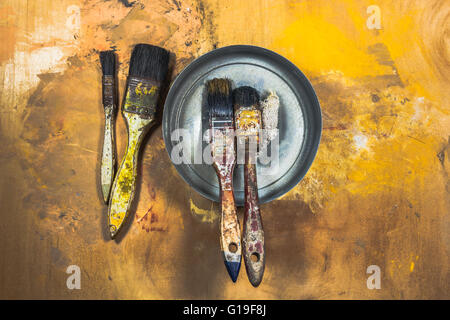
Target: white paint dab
360,141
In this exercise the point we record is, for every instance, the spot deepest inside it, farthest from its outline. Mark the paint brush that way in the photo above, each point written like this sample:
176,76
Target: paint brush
248,124
220,104
148,69
109,98
269,107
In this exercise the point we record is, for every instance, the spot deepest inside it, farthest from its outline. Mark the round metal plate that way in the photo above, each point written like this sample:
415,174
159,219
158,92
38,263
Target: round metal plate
299,122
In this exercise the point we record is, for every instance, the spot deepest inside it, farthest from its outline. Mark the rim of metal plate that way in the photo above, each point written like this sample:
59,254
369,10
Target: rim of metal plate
286,70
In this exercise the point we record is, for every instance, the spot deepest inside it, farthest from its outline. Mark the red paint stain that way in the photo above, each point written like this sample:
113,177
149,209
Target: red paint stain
158,229
153,193
145,216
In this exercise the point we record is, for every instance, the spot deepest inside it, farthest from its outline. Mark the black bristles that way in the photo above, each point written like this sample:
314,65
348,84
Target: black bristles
149,62
219,98
245,97
108,62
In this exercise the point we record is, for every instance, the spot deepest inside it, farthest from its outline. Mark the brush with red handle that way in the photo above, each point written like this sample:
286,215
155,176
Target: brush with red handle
247,113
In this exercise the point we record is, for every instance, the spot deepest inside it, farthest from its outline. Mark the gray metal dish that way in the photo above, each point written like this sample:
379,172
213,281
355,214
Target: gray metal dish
300,120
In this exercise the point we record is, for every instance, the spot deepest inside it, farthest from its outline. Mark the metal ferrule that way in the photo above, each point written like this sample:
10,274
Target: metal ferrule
220,123
141,96
108,91
248,121
222,140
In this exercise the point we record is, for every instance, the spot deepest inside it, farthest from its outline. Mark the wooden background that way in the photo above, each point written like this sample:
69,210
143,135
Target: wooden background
377,193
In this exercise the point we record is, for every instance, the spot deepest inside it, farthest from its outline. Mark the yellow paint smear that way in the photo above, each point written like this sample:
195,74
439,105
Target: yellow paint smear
145,91
405,159
205,215
314,43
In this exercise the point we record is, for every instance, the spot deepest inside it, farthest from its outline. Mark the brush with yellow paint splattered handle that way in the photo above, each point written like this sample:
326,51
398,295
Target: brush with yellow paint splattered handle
109,98
148,69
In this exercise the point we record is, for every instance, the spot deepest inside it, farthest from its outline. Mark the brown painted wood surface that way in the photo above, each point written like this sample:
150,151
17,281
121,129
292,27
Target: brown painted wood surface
377,193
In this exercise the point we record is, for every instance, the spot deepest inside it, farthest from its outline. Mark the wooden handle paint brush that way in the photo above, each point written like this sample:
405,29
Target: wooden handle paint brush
109,98
148,69
220,106
248,124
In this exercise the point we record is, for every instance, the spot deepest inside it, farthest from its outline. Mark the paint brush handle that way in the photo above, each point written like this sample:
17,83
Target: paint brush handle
109,95
253,239
230,234
108,155
124,185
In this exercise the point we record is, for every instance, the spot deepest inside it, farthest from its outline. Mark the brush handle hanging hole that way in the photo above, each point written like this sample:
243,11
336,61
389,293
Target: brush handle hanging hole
255,257
232,247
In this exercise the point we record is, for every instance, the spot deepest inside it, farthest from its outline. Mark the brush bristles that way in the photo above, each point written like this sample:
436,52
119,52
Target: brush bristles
219,98
245,97
108,62
150,62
